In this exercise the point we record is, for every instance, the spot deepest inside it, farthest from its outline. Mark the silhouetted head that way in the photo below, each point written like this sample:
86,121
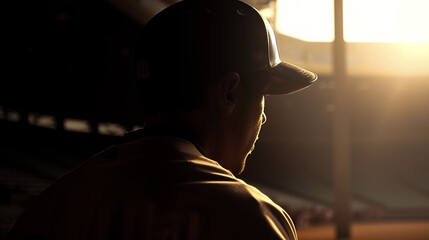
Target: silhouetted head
191,43
217,58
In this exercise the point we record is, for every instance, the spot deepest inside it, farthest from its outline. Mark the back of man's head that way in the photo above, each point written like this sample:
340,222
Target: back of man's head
185,47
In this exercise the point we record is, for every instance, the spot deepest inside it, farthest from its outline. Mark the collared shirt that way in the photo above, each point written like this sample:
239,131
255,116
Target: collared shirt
153,188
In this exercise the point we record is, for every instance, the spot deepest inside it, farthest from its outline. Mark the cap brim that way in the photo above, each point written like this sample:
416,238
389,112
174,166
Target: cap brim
287,78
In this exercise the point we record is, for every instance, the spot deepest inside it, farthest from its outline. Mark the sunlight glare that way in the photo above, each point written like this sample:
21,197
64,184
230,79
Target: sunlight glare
386,20
364,20
309,20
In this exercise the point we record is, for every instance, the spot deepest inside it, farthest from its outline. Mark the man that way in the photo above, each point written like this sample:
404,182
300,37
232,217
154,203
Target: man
204,68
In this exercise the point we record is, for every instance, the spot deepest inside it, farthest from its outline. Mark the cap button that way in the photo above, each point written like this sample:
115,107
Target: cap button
241,12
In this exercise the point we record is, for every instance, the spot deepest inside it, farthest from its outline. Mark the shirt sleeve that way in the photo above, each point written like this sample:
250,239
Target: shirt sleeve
240,212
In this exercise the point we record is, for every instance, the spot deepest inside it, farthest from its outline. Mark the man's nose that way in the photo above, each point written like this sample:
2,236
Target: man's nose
264,118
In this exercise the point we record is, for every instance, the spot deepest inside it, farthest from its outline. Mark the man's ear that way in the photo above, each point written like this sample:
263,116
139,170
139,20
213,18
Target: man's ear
228,89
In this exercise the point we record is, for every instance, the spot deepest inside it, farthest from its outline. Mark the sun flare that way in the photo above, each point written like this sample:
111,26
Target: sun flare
364,20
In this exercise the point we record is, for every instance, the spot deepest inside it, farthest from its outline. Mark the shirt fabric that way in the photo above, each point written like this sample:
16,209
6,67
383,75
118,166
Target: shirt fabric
152,188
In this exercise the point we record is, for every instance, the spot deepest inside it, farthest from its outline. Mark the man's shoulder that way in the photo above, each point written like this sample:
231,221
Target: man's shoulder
182,186
233,194
236,208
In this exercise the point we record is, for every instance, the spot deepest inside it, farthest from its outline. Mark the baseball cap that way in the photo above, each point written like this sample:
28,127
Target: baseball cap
211,36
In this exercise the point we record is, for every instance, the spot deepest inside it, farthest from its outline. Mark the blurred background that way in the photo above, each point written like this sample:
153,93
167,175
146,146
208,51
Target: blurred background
66,93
